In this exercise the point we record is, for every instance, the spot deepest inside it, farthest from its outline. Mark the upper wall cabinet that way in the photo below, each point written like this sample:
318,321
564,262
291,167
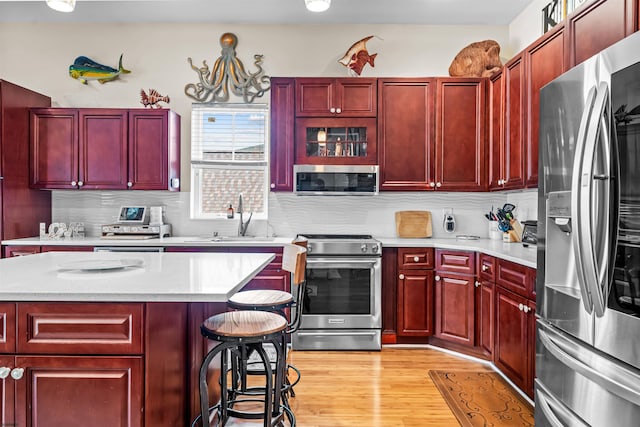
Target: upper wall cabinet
104,149
432,134
461,134
406,133
281,147
507,127
336,97
598,25
543,62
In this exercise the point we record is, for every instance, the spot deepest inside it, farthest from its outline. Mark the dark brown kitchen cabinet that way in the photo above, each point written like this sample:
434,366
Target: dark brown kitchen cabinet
11,251
21,208
415,292
336,141
485,303
544,61
282,130
461,135
336,97
507,147
597,25
154,150
59,359
514,348
104,149
79,148
455,296
406,130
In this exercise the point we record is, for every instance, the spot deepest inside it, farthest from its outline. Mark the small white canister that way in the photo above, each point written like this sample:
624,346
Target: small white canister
494,233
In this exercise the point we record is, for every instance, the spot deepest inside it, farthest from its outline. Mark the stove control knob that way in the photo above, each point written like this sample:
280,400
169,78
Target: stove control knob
363,248
309,248
375,249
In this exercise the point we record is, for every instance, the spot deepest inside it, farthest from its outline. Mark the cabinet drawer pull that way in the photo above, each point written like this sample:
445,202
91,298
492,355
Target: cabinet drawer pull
4,372
416,259
485,267
17,373
401,277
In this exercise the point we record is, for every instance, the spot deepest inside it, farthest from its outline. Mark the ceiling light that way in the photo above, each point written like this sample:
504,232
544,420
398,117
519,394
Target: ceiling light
62,5
317,5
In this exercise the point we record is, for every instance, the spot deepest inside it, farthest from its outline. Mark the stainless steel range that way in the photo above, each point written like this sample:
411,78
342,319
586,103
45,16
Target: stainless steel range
342,306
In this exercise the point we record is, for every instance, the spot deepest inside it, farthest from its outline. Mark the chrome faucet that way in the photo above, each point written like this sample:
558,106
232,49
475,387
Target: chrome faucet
242,226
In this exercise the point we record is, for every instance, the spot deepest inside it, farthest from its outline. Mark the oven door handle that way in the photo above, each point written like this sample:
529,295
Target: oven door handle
342,262
337,333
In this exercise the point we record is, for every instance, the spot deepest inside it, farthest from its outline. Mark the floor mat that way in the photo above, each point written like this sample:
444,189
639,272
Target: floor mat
482,399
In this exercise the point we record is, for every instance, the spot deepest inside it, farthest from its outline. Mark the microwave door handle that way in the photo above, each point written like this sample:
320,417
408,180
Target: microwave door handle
595,227
576,201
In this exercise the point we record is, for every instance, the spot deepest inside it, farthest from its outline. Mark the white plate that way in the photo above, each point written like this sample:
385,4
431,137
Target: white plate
100,264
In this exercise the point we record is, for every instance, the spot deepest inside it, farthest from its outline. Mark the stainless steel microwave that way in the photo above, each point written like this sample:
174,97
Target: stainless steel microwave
336,180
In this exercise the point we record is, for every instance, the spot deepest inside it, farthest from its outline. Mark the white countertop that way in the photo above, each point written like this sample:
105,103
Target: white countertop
161,277
515,252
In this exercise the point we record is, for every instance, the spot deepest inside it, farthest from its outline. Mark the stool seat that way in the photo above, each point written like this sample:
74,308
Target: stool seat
242,324
261,299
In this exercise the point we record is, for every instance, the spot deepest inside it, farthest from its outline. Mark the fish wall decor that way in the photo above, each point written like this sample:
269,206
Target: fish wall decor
357,56
152,99
84,69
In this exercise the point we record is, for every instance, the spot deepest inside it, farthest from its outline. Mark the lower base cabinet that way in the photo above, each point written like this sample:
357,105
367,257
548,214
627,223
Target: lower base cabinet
514,349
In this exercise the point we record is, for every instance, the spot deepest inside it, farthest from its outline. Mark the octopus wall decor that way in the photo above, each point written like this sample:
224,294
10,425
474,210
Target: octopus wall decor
228,73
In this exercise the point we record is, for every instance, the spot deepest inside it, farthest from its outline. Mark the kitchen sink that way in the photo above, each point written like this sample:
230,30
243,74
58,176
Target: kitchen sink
232,239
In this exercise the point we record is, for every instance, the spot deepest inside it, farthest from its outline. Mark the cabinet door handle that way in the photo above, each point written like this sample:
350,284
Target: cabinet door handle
401,277
416,259
332,110
129,184
521,307
273,185
485,267
17,373
438,184
526,309
432,184
80,183
338,110
4,372
74,183
477,284
437,278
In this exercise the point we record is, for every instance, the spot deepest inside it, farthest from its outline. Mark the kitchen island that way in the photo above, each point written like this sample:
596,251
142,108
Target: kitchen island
86,340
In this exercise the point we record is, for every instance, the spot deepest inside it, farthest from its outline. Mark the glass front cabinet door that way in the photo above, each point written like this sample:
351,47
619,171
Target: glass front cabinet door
346,141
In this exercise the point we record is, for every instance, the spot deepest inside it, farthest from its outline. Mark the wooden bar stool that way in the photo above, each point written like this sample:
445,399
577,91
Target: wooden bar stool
294,260
237,332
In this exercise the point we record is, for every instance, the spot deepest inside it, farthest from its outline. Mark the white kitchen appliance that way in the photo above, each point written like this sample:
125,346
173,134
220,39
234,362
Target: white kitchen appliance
133,223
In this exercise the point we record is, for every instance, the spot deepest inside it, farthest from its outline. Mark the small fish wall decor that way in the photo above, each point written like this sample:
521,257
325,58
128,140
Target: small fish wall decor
357,56
152,98
85,69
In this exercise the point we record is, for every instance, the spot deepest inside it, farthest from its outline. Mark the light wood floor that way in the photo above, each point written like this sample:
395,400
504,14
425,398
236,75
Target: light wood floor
390,388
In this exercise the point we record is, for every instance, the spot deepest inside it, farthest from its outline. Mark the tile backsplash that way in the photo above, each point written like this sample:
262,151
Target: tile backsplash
290,214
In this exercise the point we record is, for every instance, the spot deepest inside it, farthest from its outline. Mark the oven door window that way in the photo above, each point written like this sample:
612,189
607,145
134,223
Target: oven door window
339,288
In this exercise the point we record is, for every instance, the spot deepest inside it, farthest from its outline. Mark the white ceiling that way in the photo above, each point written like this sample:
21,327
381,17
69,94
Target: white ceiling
426,12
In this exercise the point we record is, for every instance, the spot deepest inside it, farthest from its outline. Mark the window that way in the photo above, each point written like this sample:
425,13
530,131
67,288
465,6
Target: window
229,157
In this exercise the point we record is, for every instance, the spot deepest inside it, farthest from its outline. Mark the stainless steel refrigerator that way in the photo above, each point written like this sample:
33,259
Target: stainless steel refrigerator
588,283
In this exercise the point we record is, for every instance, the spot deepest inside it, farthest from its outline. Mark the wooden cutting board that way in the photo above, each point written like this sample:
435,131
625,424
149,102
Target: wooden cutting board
415,224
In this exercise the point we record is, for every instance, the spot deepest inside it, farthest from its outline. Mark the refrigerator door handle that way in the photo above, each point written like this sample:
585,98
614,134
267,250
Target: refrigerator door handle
590,198
613,377
576,201
554,411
